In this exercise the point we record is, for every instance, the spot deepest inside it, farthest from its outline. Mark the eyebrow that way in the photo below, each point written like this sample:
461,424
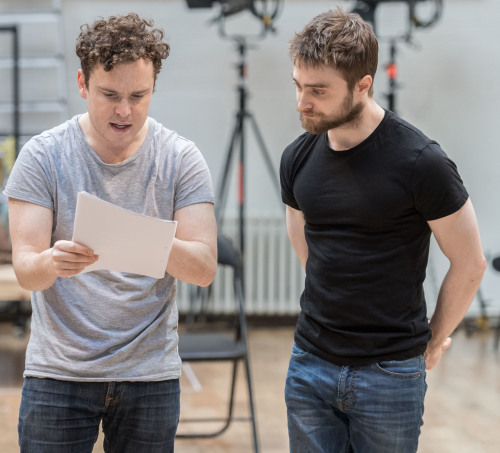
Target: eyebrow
311,85
109,90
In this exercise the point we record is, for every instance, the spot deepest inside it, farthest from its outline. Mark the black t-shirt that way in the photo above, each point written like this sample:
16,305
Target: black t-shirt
366,211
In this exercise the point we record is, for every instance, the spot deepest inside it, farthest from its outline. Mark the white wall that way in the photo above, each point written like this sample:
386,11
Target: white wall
447,85
447,89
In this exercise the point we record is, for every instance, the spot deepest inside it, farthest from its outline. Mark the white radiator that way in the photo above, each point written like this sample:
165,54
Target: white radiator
274,278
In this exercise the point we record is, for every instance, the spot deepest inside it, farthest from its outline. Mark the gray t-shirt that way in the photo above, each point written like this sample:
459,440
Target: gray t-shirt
107,326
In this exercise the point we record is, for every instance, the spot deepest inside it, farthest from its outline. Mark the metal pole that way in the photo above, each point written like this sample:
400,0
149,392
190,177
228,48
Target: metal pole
16,85
241,168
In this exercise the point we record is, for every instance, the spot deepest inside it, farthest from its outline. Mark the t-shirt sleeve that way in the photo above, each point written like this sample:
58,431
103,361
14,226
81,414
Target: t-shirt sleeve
286,179
437,186
30,178
194,182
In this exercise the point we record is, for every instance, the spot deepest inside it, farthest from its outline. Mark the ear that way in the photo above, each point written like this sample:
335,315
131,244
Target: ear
82,88
364,84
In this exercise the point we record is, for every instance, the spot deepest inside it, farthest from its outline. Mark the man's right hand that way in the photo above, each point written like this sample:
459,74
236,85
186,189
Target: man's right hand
70,258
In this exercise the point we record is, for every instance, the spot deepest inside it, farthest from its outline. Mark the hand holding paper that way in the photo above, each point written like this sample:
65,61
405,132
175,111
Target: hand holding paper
125,241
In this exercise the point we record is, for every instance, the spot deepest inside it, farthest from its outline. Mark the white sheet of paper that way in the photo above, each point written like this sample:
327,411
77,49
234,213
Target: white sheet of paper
124,240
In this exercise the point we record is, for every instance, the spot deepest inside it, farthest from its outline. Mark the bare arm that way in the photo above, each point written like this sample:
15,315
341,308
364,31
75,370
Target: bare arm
458,237
193,258
36,264
295,223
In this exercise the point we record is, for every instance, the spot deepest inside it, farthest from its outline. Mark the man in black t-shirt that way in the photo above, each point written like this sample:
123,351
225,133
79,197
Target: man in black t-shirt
364,190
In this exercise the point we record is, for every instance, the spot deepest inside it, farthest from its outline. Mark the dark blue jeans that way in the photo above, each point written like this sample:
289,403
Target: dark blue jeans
376,408
64,416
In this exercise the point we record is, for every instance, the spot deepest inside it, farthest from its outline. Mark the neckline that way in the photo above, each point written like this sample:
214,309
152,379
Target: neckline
144,145
359,146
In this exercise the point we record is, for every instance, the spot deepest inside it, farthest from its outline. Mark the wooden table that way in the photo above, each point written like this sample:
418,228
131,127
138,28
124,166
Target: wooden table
10,290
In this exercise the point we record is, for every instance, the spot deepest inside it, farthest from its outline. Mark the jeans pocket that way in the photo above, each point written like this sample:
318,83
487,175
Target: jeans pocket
299,353
402,369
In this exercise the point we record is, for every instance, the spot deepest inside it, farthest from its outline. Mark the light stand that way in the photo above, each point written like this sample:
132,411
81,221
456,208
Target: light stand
391,70
367,8
266,11
238,136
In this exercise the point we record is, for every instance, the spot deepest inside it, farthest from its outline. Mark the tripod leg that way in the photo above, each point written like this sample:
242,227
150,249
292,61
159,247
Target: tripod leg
265,154
222,189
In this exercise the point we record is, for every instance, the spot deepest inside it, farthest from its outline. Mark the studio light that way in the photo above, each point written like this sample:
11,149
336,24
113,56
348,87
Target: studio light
366,9
264,10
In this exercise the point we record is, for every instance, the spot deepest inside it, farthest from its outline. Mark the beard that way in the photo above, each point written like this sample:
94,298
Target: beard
321,123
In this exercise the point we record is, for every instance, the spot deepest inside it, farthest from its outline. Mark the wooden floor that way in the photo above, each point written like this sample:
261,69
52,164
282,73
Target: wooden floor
462,413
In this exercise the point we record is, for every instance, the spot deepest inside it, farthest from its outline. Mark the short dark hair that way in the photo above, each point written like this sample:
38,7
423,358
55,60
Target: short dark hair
120,39
340,40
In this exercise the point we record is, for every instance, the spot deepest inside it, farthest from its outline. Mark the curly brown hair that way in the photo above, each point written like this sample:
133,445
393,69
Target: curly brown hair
120,39
340,40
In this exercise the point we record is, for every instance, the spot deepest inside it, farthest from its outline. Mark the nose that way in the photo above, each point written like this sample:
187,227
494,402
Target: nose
303,101
123,109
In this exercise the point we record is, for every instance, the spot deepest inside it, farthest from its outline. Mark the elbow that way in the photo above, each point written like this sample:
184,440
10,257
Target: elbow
482,265
470,270
208,276
30,285
477,269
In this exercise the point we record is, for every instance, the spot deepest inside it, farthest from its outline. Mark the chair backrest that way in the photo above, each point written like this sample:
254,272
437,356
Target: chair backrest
202,299
228,254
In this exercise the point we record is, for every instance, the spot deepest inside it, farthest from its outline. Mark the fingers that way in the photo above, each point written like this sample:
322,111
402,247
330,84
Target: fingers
70,258
433,356
446,344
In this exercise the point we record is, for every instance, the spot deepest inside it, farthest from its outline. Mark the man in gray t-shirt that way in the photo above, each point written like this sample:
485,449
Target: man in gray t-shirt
103,345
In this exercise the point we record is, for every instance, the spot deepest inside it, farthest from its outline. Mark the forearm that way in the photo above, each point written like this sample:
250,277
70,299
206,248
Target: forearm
192,262
301,251
33,269
458,237
295,226
455,297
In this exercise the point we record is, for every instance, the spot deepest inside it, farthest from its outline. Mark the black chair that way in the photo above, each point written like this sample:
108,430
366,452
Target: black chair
203,342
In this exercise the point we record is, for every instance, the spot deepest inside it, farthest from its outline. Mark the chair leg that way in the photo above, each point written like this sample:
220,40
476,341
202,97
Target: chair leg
231,399
227,420
251,406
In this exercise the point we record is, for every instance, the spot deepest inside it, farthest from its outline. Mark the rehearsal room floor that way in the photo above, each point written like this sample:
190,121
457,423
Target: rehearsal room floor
462,413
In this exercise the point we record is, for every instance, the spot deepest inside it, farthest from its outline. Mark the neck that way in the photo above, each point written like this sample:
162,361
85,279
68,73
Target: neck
110,153
352,134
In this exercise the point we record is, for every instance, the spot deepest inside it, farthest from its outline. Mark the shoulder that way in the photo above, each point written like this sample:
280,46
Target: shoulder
173,148
301,143
405,134
297,152
58,133
165,136
176,155
52,143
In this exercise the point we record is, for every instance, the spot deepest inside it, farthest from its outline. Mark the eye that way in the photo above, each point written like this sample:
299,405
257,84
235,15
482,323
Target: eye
318,92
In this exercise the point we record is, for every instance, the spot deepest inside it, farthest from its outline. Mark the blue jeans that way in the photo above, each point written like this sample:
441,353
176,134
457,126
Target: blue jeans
64,416
375,408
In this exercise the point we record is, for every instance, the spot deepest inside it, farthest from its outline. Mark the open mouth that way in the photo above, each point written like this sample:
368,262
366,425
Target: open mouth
120,127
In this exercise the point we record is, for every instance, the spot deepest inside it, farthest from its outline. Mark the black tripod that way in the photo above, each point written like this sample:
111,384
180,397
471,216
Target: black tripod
391,70
238,136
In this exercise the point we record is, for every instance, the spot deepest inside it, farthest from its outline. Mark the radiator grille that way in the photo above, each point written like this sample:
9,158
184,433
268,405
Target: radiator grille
274,278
